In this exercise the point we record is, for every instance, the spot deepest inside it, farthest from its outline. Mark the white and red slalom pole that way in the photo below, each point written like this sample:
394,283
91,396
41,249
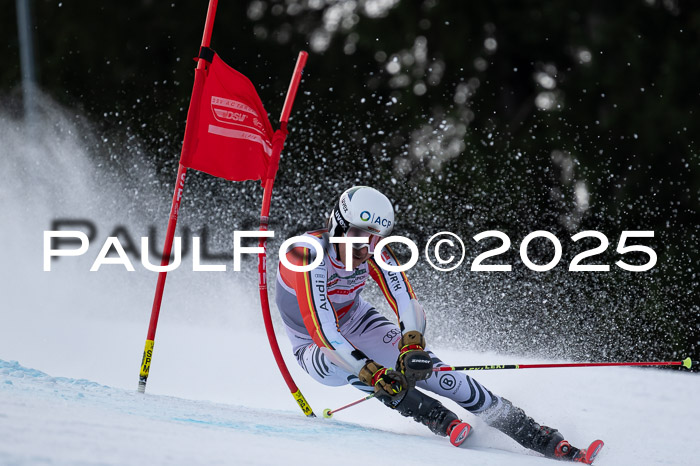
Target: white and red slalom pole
687,363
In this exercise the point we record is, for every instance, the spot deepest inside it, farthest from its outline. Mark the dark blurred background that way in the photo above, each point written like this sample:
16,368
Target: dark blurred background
471,116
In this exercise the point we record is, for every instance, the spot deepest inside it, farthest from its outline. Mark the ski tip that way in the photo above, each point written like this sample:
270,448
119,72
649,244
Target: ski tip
687,362
593,450
459,433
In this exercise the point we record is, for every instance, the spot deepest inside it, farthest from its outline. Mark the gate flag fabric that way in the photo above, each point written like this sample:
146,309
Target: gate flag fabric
233,136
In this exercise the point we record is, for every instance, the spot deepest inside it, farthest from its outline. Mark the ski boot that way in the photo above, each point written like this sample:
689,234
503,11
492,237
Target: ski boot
431,413
513,422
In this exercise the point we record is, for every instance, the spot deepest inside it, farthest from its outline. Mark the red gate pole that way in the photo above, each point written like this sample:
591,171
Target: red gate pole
177,198
278,143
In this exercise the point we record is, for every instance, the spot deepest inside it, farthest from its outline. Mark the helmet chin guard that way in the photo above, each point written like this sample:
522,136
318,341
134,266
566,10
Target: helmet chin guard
364,208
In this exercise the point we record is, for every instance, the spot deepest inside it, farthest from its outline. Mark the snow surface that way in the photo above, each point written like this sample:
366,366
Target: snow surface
646,417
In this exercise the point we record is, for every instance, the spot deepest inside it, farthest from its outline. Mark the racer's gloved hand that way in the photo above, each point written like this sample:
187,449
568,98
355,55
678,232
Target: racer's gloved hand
389,385
414,362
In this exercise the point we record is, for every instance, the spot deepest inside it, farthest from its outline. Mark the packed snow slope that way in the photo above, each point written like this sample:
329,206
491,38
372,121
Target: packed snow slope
646,417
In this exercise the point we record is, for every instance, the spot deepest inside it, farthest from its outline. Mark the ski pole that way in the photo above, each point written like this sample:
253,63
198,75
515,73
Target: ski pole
687,363
328,413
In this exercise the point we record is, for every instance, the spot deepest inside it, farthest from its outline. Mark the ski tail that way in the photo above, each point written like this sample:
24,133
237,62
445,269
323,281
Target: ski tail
592,451
459,431
588,455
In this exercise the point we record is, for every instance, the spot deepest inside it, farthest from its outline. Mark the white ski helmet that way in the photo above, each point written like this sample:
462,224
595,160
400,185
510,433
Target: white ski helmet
364,208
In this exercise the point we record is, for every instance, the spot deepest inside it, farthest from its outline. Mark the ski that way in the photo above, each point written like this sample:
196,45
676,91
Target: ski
565,452
459,433
588,455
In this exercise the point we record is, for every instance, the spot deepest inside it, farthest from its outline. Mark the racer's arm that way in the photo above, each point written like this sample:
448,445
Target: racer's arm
398,292
320,318
413,361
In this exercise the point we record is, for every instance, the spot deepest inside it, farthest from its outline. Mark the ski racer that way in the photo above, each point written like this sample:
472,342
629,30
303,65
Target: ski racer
338,338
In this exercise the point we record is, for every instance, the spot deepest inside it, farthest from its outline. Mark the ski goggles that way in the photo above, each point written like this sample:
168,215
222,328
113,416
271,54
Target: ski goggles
354,232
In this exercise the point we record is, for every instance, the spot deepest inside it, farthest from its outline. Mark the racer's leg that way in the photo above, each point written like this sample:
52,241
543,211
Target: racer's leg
459,387
378,338
497,412
318,365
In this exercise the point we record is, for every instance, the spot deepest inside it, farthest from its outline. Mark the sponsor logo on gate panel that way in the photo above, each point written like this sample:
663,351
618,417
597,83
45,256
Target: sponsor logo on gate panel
233,112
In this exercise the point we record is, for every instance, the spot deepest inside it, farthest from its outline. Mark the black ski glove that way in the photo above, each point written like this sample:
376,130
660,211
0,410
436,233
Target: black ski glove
414,362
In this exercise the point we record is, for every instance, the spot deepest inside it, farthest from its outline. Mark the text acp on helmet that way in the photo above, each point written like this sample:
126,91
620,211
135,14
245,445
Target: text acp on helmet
367,216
